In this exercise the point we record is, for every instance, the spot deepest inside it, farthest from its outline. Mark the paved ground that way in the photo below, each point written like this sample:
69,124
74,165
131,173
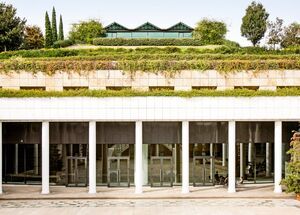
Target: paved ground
157,207
12,192
249,199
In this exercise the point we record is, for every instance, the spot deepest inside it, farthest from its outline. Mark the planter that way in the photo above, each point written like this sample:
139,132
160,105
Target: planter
298,196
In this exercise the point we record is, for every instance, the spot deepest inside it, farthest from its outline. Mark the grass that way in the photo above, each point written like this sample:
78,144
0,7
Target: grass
6,93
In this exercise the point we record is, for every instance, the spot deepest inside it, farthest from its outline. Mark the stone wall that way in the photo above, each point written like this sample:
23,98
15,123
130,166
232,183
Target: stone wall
184,80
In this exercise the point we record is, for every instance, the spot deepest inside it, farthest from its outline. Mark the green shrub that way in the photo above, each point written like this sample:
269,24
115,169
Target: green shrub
146,42
62,43
292,179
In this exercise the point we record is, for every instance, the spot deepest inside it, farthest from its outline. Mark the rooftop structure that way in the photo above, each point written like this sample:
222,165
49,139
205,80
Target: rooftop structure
148,30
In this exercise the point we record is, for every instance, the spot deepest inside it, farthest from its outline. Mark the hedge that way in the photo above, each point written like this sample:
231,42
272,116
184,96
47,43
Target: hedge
5,93
225,51
166,66
147,42
62,43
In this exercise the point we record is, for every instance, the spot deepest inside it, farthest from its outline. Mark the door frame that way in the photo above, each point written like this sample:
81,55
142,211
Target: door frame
75,159
117,171
161,175
212,162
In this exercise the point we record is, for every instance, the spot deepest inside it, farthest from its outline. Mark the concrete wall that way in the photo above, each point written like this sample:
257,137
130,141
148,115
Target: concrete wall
151,109
183,80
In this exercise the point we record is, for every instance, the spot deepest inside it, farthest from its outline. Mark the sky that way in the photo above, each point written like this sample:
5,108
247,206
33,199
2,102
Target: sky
162,13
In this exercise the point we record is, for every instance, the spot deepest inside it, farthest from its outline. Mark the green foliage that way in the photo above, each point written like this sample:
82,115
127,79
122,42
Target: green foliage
146,42
62,43
54,26
61,29
210,32
33,38
11,28
254,23
48,32
5,93
85,31
275,32
159,53
51,66
291,35
292,179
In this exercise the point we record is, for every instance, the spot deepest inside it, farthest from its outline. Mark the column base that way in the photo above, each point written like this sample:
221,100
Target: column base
138,191
45,192
231,190
92,191
278,189
185,190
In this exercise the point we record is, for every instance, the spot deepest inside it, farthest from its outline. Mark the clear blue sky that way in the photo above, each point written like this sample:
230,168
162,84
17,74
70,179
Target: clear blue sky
162,13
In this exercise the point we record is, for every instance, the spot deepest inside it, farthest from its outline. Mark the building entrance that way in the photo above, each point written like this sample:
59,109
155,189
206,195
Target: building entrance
118,171
255,162
161,171
203,170
77,171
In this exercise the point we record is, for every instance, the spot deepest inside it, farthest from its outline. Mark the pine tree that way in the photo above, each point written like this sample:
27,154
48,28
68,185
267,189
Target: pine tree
48,32
61,29
54,26
11,28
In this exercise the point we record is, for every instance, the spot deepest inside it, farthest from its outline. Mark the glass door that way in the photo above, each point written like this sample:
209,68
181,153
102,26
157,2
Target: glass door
118,172
203,170
77,171
161,171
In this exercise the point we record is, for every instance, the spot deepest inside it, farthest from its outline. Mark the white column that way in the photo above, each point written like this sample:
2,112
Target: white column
268,159
185,157
231,156
45,158
278,157
138,159
1,158
250,149
242,167
92,157
224,152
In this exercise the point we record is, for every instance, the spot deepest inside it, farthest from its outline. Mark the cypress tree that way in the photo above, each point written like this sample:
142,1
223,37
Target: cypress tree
48,32
54,26
61,29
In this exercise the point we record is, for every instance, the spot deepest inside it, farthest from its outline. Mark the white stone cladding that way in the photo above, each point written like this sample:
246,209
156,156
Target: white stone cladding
184,80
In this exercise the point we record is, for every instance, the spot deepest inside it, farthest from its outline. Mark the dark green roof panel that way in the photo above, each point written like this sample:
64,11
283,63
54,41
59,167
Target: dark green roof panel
180,27
115,27
147,27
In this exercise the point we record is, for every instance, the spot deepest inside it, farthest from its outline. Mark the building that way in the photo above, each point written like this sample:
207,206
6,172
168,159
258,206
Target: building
146,141
148,30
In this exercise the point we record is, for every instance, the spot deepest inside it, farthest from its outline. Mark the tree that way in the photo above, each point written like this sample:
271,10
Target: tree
254,24
11,28
291,35
275,34
33,38
48,32
210,31
85,31
61,29
54,26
